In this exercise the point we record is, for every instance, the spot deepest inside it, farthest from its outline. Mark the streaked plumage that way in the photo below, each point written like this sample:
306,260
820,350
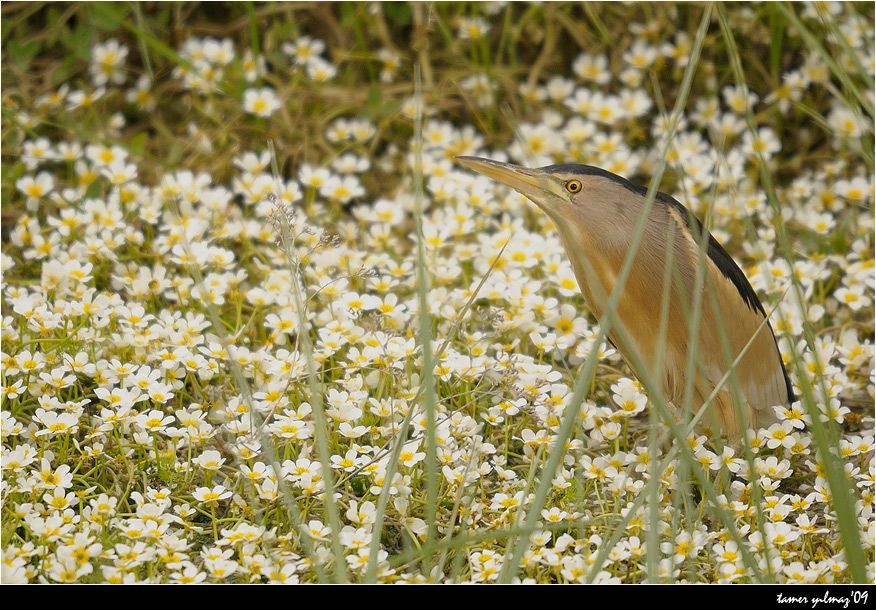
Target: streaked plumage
596,224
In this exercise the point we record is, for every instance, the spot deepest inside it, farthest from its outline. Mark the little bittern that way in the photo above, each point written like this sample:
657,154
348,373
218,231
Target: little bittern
596,213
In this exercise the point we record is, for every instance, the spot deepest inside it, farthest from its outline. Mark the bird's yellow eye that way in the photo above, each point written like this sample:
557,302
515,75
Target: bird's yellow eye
573,186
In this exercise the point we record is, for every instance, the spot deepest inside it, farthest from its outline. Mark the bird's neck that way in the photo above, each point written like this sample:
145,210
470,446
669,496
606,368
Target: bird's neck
596,266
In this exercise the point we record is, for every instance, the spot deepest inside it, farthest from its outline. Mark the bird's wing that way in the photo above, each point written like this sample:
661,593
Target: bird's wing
733,313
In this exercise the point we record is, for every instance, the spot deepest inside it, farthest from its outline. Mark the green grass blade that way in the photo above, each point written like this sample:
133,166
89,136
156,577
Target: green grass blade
314,385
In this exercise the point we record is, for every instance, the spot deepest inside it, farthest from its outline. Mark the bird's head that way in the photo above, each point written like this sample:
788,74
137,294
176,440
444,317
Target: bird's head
586,203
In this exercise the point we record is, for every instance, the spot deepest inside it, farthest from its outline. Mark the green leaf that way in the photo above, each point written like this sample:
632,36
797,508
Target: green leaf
93,189
22,53
80,41
359,485
108,15
161,19
777,33
372,104
398,13
62,72
55,30
390,107
138,144
15,173
5,28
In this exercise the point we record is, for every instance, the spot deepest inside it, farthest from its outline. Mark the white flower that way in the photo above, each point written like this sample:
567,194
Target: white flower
209,460
261,102
35,188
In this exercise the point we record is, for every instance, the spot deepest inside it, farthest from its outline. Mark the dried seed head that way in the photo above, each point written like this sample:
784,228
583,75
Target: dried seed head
494,316
281,211
366,272
329,240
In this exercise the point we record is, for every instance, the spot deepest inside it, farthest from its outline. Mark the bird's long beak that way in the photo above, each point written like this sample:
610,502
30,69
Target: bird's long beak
533,183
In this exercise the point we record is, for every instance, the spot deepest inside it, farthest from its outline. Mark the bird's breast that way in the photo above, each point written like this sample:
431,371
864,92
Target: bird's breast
638,313
597,268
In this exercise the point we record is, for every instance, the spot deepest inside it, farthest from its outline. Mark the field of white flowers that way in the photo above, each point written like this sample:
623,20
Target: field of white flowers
229,231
